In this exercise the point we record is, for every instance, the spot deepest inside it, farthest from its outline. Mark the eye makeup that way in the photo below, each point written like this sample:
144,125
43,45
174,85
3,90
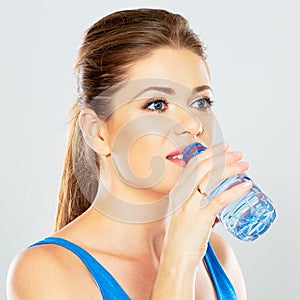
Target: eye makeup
159,104
199,100
202,103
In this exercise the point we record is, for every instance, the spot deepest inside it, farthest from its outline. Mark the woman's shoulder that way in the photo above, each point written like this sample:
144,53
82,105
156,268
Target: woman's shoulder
44,272
35,273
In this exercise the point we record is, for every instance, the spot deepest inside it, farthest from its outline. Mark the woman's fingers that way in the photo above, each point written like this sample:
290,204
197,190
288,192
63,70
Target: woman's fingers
205,171
220,162
200,167
213,157
220,173
226,197
212,179
214,150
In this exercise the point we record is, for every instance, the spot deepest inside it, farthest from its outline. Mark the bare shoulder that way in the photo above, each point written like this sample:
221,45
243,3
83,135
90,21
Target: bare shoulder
41,272
229,263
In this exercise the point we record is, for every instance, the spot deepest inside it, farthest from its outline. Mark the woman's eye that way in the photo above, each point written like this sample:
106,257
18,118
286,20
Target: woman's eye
202,103
159,105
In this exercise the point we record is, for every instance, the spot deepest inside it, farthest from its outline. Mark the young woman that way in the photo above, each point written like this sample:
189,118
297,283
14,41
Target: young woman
131,222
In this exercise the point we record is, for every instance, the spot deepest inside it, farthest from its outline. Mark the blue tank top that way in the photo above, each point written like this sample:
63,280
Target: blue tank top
110,288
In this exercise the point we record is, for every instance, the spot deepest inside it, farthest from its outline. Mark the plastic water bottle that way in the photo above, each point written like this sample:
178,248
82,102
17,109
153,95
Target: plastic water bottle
248,217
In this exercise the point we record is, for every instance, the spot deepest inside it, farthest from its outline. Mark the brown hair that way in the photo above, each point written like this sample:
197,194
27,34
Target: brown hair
109,48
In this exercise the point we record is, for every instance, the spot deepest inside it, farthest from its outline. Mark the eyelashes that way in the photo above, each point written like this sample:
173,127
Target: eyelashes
160,104
203,103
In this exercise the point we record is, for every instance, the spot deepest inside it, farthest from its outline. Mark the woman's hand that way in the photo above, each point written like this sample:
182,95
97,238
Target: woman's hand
190,224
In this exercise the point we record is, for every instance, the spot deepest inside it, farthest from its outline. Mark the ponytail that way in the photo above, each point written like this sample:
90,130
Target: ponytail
79,182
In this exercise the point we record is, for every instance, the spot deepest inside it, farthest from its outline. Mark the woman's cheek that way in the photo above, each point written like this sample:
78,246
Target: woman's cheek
141,152
136,151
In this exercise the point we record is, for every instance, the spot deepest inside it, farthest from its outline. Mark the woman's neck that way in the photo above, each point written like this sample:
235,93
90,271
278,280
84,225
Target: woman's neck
138,241
130,204
126,220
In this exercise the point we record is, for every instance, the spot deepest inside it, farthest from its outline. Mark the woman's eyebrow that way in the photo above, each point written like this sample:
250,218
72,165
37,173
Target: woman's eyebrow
170,91
166,90
201,88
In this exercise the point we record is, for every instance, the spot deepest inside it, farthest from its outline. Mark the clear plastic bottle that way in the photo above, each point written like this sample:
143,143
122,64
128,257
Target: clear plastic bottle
248,217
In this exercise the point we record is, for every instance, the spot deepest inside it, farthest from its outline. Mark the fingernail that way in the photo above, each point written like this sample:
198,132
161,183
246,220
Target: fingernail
247,184
237,153
243,164
222,145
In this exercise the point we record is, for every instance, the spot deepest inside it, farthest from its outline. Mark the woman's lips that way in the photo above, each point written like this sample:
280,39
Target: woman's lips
179,159
178,151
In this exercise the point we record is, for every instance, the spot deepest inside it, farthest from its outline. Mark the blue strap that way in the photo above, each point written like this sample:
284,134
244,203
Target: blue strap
109,287
223,286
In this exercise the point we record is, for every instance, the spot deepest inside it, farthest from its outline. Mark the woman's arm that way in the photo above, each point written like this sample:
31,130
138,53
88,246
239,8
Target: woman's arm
174,281
181,277
185,246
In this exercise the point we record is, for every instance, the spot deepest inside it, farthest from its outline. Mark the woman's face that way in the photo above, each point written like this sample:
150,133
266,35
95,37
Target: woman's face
160,110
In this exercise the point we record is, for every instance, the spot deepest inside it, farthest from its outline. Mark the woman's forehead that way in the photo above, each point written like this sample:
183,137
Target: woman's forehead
179,65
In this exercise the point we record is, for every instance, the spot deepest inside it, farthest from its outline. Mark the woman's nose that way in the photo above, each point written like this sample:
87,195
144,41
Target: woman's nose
187,123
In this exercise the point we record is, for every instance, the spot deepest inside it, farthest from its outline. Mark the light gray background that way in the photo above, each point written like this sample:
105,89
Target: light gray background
253,49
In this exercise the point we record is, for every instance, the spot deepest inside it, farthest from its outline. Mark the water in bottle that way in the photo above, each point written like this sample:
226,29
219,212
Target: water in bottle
246,218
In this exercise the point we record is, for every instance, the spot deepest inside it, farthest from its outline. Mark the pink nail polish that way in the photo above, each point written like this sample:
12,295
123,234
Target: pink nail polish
247,184
237,153
243,164
222,145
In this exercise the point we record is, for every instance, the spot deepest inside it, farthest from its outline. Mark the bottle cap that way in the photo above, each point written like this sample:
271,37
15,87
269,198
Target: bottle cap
192,150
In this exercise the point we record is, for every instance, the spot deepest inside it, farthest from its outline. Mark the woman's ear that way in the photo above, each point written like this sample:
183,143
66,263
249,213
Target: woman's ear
94,131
